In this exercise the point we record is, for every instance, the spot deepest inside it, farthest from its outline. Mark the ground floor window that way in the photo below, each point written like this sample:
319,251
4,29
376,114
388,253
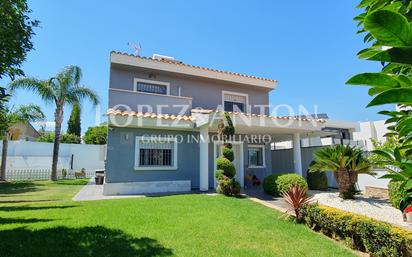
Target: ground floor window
155,153
256,156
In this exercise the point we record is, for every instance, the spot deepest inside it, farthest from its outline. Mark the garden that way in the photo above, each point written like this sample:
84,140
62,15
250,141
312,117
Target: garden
40,219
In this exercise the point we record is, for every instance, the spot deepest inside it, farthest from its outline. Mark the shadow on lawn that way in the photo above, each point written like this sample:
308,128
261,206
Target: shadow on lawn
4,221
33,208
80,242
11,188
24,201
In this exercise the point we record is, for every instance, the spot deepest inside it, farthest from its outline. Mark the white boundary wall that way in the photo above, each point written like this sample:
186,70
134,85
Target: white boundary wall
38,155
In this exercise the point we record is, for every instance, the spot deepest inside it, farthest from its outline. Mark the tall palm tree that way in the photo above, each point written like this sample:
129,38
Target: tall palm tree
9,118
345,162
61,90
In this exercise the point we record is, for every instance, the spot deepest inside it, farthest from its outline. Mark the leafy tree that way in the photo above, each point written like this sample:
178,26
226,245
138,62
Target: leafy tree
23,114
3,98
61,90
377,159
74,124
345,162
46,137
96,135
65,138
16,32
388,27
70,139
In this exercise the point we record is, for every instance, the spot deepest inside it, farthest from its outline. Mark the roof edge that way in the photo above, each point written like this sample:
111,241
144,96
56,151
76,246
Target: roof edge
192,70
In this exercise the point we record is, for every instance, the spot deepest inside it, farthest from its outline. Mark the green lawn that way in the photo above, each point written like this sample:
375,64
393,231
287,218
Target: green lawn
39,219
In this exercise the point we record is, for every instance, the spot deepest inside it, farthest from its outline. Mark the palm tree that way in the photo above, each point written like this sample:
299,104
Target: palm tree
345,162
61,90
9,118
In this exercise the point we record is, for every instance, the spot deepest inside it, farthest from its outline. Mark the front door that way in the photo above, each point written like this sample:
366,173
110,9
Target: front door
238,161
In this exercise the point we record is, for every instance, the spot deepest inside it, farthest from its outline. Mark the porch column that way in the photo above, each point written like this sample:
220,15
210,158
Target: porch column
204,158
297,157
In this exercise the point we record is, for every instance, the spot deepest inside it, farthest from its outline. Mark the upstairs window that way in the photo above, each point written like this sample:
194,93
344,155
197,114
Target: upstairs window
153,87
234,102
234,107
159,154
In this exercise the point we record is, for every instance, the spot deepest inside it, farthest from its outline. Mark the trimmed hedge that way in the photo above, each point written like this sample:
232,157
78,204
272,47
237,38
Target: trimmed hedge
360,232
275,184
228,153
228,186
395,193
317,180
227,166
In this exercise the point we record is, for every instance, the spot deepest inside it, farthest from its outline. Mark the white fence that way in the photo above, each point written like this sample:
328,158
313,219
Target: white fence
32,160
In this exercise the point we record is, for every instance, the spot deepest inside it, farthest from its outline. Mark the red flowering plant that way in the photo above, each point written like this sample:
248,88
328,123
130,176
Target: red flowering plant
408,209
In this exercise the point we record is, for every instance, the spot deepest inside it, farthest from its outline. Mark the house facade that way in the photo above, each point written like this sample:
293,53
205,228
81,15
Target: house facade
163,121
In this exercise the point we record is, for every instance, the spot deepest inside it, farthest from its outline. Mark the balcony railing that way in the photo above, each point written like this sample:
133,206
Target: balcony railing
148,102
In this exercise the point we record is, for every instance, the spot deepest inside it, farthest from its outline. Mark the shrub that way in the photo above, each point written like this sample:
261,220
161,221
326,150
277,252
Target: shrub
228,153
269,184
395,193
286,181
228,186
219,174
227,166
275,184
363,234
64,138
96,135
317,180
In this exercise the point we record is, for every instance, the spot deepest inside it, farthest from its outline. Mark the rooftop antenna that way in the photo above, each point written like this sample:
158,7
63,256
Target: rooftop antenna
136,47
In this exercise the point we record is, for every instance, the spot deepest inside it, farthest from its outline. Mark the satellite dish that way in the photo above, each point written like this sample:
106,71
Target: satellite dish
136,47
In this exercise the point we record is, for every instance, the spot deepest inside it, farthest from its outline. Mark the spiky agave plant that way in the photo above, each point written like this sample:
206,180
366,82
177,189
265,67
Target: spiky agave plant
296,196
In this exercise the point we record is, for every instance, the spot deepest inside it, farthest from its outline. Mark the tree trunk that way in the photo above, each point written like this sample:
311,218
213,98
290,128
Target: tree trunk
4,159
57,131
345,181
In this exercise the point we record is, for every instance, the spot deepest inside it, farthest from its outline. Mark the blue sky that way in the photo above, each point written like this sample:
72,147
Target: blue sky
308,46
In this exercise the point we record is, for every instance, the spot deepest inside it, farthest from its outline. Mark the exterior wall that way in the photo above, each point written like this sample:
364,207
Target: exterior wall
261,173
373,129
121,157
206,94
38,155
282,162
365,180
157,103
25,131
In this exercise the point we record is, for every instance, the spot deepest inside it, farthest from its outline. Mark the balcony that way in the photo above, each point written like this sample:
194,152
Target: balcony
148,102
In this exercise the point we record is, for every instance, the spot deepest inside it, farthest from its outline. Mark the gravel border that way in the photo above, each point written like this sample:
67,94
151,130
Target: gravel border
374,208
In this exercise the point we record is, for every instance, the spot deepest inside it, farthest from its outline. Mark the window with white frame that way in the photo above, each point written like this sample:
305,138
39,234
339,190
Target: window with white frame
156,153
151,86
256,156
234,102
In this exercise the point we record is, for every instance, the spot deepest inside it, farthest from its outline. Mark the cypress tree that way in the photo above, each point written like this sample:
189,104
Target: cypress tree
74,124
